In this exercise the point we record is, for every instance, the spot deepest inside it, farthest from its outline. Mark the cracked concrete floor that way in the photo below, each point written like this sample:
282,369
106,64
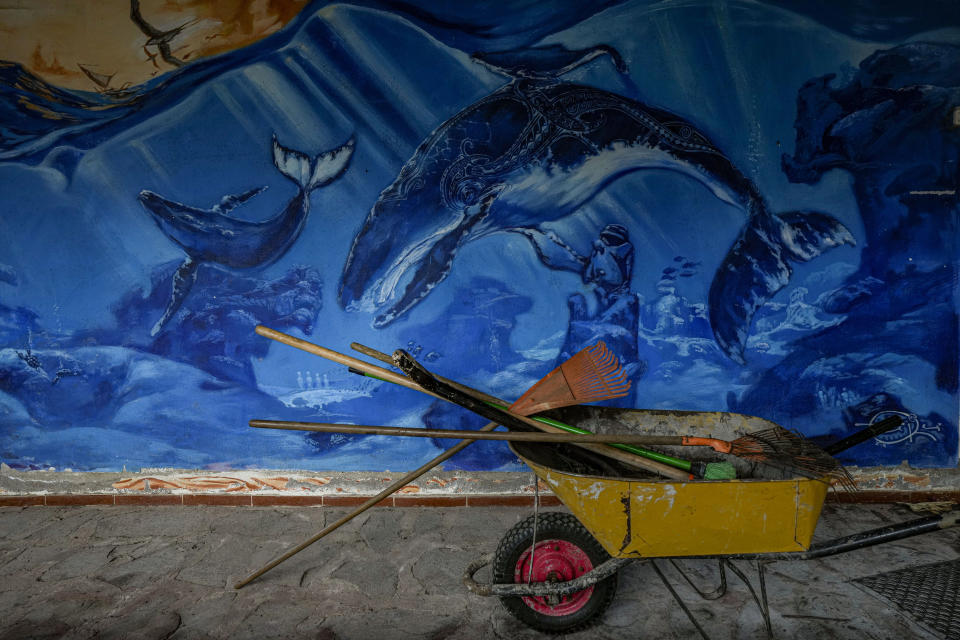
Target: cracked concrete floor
167,572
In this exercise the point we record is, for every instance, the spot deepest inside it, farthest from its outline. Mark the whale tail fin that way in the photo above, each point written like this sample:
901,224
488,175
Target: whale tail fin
758,266
310,174
183,280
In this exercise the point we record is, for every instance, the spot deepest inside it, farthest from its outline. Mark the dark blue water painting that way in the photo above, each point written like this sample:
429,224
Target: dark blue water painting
755,205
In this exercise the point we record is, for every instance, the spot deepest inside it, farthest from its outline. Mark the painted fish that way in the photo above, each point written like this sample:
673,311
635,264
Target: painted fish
213,236
535,151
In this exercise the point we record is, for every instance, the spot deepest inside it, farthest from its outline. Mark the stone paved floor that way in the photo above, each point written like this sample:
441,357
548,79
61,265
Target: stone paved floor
167,572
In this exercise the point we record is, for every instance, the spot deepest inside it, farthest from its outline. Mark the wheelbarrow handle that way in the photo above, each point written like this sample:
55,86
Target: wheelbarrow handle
890,533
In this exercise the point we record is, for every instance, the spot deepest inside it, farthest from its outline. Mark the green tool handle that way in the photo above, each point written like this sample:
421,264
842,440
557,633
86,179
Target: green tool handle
684,465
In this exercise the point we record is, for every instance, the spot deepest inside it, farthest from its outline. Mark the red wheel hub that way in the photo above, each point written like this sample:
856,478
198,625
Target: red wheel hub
554,561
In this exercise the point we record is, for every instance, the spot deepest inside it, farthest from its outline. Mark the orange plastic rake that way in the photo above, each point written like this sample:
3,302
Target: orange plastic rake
590,375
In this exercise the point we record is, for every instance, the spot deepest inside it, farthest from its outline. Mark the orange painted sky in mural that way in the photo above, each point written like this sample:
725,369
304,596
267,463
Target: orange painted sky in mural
52,38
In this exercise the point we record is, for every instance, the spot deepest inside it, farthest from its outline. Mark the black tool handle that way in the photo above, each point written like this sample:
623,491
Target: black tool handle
887,424
428,381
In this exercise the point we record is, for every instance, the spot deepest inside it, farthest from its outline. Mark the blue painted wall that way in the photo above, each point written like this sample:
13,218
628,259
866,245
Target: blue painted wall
754,204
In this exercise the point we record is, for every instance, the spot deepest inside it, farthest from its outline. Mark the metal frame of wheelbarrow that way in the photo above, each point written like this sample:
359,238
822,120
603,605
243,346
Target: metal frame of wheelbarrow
852,542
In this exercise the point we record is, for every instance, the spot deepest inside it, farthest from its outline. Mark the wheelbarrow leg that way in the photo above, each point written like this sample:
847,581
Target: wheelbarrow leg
679,600
761,601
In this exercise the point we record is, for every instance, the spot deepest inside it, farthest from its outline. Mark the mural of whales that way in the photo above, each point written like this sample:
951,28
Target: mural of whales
535,151
213,236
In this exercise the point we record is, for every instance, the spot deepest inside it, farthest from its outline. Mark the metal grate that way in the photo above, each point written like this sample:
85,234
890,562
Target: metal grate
929,593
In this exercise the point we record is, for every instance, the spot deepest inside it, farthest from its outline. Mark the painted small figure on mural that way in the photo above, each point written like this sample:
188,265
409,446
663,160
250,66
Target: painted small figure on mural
608,267
612,313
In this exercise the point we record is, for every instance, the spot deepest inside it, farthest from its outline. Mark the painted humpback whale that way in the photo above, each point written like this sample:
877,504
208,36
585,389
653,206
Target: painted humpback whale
213,236
535,151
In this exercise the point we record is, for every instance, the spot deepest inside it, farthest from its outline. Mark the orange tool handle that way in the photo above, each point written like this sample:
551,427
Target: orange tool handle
717,445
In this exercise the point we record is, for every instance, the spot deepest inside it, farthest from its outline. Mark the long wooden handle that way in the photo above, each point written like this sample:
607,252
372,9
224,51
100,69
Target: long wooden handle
460,434
388,491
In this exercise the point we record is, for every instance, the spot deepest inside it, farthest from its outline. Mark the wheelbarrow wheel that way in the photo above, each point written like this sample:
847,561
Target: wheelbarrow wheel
564,550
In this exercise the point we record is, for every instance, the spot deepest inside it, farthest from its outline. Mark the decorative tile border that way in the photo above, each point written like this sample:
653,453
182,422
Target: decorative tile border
200,483
135,500
273,500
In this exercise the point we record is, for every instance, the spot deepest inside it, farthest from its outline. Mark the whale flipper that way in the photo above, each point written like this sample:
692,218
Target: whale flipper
552,250
312,174
229,203
757,267
183,280
429,262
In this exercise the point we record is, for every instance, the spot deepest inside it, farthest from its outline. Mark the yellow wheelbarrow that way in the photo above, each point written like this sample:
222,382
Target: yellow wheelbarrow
557,572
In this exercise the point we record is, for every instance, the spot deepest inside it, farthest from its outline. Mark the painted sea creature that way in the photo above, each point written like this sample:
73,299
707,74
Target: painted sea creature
213,236
535,151
31,360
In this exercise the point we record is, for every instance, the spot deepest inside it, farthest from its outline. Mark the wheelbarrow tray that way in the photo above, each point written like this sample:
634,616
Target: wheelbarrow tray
640,517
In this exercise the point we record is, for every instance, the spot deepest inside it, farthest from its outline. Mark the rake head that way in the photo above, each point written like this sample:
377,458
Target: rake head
792,452
592,374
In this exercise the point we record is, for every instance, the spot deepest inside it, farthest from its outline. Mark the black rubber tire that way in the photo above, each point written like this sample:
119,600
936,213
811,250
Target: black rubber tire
552,525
